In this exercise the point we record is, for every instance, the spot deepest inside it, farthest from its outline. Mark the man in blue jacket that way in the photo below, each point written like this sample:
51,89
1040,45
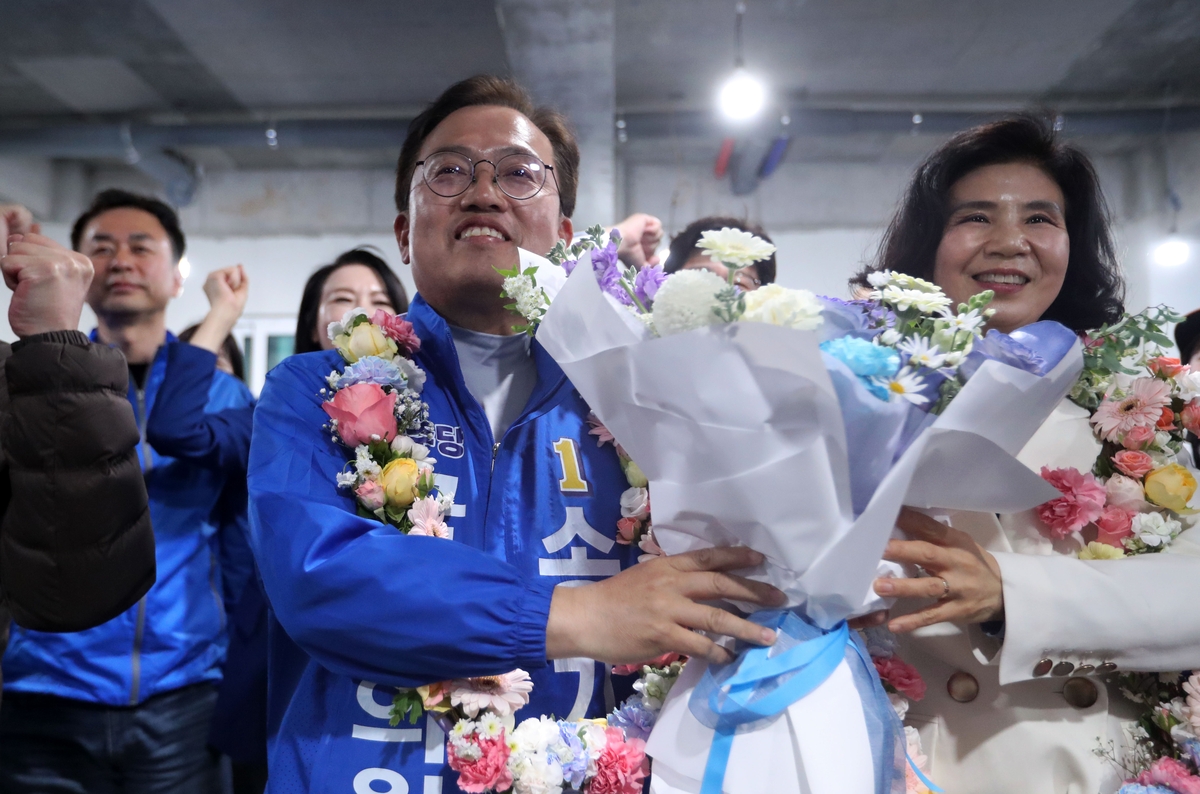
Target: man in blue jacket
126,706
533,578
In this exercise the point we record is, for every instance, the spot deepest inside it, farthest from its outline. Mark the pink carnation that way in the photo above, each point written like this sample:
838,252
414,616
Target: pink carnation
1138,438
1134,463
398,330
1115,525
1190,416
489,772
362,411
1142,407
900,676
1172,774
1166,367
621,766
1081,503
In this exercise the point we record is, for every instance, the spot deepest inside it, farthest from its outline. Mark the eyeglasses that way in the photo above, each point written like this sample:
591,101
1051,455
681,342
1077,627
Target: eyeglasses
519,176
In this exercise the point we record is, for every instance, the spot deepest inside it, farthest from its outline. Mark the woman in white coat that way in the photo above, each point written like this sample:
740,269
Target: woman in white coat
1017,639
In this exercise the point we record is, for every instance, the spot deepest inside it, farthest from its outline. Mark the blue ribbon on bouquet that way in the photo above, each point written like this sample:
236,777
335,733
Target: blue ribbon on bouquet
757,687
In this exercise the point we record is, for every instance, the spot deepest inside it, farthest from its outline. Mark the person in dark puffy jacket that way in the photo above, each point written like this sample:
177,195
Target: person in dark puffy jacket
126,706
76,546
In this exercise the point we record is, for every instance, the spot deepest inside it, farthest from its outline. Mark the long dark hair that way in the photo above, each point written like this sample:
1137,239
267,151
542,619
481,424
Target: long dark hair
684,244
310,302
1093,291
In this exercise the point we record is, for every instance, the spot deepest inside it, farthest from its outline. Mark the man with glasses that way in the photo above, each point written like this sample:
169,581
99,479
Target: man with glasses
534,577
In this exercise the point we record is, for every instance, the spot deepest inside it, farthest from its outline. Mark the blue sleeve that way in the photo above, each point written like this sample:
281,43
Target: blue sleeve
233,543
180,425
357,596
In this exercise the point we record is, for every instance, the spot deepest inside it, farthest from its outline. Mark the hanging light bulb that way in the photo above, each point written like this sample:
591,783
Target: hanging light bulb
1172,252
743,95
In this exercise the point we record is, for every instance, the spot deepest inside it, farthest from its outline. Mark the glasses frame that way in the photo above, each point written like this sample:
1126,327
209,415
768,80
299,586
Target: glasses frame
495,174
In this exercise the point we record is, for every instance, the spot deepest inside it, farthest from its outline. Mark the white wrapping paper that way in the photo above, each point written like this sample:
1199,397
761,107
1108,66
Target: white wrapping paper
739,431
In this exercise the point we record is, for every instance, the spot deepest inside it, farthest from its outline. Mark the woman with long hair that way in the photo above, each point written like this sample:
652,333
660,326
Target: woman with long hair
357,278
1018,639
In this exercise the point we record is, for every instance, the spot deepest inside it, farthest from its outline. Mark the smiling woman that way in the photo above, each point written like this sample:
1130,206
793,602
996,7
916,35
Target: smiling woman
1016,633
1008,207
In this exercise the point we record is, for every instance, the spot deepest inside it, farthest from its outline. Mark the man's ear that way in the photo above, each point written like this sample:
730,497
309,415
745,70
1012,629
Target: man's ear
402,228
566,230
177,278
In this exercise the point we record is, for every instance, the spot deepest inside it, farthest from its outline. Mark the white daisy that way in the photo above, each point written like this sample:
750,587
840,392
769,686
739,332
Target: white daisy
921,353
967,321
906,385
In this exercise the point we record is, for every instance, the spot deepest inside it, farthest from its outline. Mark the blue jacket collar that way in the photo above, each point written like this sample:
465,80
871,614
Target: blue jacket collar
439,355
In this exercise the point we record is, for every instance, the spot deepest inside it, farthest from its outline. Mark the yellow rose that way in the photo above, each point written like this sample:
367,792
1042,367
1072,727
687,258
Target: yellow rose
1171,486
1100,551
399,481
365,340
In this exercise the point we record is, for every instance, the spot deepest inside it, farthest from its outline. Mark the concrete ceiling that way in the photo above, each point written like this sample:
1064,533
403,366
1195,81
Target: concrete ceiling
260,61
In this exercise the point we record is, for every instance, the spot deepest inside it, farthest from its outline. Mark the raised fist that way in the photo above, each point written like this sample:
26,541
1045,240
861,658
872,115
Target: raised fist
49,284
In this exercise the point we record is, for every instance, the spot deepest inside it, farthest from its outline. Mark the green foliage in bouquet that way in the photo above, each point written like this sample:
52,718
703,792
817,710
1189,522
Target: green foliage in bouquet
1122,347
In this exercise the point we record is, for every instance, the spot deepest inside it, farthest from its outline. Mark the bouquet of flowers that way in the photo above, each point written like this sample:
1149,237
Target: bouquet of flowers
375,408
796,425
1135,498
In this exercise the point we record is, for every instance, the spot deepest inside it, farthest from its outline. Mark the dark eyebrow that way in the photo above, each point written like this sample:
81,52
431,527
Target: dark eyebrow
108,238
991,205
474,155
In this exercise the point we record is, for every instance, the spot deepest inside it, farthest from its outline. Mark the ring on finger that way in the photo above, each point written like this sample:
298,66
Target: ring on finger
945,590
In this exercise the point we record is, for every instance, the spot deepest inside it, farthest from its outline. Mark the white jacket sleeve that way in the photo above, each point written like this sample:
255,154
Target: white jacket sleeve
1138,613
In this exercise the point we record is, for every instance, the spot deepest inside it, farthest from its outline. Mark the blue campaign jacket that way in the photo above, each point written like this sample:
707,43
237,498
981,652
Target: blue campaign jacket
174,636
361,608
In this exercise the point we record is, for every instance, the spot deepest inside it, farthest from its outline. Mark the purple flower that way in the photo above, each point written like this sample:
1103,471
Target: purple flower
647,282
610,282
575,770
636,720
1003,348
569,265
604,258
371,369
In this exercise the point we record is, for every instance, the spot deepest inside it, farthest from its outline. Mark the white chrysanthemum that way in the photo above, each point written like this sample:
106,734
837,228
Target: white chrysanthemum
735,247
490,725
906,281
522,291
924,302
776,305
891,337
879,278
537,773
686,300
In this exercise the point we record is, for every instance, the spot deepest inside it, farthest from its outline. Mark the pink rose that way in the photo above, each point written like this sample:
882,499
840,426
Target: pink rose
627,530
398,330
620,768
1134,463
489,772
370,495
1081,503
1190,416
1138,438
1115,525
1165,367
900,676
361,411
1172,774
1125,493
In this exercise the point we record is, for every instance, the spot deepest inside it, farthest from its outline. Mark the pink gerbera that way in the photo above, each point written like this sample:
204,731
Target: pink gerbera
501,694
1142,407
